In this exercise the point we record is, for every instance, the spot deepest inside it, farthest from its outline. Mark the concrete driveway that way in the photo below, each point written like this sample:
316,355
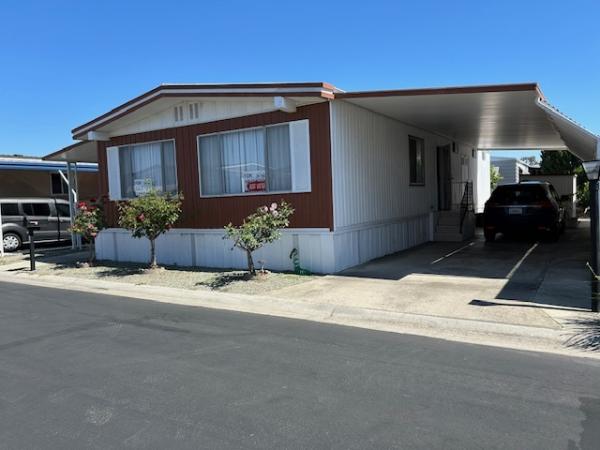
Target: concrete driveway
518,282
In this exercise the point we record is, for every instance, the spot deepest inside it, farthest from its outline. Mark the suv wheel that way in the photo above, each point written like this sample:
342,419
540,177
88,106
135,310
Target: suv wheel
11,242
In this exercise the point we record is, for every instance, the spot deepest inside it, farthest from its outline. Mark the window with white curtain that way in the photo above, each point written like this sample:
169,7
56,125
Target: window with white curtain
256,160
146,166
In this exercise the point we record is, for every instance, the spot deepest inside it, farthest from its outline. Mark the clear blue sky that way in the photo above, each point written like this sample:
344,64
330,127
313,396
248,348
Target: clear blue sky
65,62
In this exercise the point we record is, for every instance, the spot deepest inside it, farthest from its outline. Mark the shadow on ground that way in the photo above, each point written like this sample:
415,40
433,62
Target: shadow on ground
222,280
586,334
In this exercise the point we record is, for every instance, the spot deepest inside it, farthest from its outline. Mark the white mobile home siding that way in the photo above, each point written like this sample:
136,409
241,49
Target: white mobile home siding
370,167
375,209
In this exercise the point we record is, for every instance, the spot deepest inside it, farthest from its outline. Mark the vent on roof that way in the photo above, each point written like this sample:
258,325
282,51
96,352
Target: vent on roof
178,110
194,110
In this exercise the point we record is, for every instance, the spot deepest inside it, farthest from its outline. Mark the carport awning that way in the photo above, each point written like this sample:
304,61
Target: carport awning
85,151
487,117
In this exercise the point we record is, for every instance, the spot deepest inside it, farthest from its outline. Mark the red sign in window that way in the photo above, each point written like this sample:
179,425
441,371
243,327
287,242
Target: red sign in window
256,186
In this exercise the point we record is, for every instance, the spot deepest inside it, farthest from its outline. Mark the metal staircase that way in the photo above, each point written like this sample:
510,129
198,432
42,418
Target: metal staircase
457,224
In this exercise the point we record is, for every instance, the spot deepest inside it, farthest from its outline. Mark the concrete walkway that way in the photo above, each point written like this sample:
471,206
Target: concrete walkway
518,294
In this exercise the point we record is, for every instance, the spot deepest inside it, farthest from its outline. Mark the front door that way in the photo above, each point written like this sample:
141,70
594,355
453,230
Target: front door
444,177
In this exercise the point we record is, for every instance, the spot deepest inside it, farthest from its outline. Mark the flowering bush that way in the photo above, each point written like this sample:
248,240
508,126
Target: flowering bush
260,228
88,221
150,216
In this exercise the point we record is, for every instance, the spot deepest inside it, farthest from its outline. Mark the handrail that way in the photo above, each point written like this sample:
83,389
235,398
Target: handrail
466,203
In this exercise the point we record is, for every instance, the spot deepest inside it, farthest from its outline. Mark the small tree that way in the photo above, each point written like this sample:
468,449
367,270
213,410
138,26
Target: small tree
150,216
495,177
258,229
88,221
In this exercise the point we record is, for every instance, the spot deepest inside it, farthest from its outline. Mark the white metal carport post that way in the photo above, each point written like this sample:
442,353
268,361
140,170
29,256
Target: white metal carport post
73,189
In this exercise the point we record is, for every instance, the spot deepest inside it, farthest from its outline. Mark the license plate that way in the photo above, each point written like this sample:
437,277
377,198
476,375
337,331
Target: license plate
515,211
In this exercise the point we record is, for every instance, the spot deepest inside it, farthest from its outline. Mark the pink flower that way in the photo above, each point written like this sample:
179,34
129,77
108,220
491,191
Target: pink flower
93,235
275,213
82,205
141,217
273,206
264,209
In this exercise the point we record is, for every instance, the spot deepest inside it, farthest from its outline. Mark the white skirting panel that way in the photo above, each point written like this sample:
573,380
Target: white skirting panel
207,248
321,251
361,244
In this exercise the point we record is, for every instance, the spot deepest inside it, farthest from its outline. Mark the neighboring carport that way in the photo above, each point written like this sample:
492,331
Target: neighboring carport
80,152
496,117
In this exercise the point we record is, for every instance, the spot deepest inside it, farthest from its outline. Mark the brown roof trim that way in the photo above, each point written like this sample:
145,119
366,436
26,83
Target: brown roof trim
325,86
63,150
443,90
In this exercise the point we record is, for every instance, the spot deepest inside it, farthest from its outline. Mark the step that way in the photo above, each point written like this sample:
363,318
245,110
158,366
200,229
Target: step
449,220
448,229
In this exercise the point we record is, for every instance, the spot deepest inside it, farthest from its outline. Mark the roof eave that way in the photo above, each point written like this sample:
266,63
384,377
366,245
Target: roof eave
518,87
319,89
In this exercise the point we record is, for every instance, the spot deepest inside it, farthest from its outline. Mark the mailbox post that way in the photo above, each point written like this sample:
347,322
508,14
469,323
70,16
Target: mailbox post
31,226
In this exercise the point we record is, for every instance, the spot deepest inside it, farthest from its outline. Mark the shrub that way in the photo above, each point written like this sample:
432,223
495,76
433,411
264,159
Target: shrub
150,216
258,229
88,221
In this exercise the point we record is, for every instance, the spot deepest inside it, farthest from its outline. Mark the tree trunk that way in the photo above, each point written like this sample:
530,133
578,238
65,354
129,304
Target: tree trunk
251,268
153,264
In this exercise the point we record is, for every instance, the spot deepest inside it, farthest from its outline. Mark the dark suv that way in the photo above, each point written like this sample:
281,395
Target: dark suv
532,206
51,215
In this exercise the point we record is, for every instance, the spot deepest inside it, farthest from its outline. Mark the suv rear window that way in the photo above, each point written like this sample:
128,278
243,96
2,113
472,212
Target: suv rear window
518,195
36,209
9,209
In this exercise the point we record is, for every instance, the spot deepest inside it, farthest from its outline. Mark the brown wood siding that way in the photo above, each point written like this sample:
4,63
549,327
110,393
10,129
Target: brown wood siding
313,209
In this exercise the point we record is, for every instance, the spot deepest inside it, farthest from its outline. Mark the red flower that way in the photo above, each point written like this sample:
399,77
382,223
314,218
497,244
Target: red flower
141,217
81,205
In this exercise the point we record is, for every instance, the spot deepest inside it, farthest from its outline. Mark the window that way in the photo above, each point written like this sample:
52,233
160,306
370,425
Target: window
59,185
36,209
257,160
63,210
135,169
9,209
417,160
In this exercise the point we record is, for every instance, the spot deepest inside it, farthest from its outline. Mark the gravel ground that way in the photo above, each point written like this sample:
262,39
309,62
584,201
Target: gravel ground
186,278
10,258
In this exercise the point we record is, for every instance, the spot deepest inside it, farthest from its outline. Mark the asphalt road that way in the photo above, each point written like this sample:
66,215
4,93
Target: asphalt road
95,371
